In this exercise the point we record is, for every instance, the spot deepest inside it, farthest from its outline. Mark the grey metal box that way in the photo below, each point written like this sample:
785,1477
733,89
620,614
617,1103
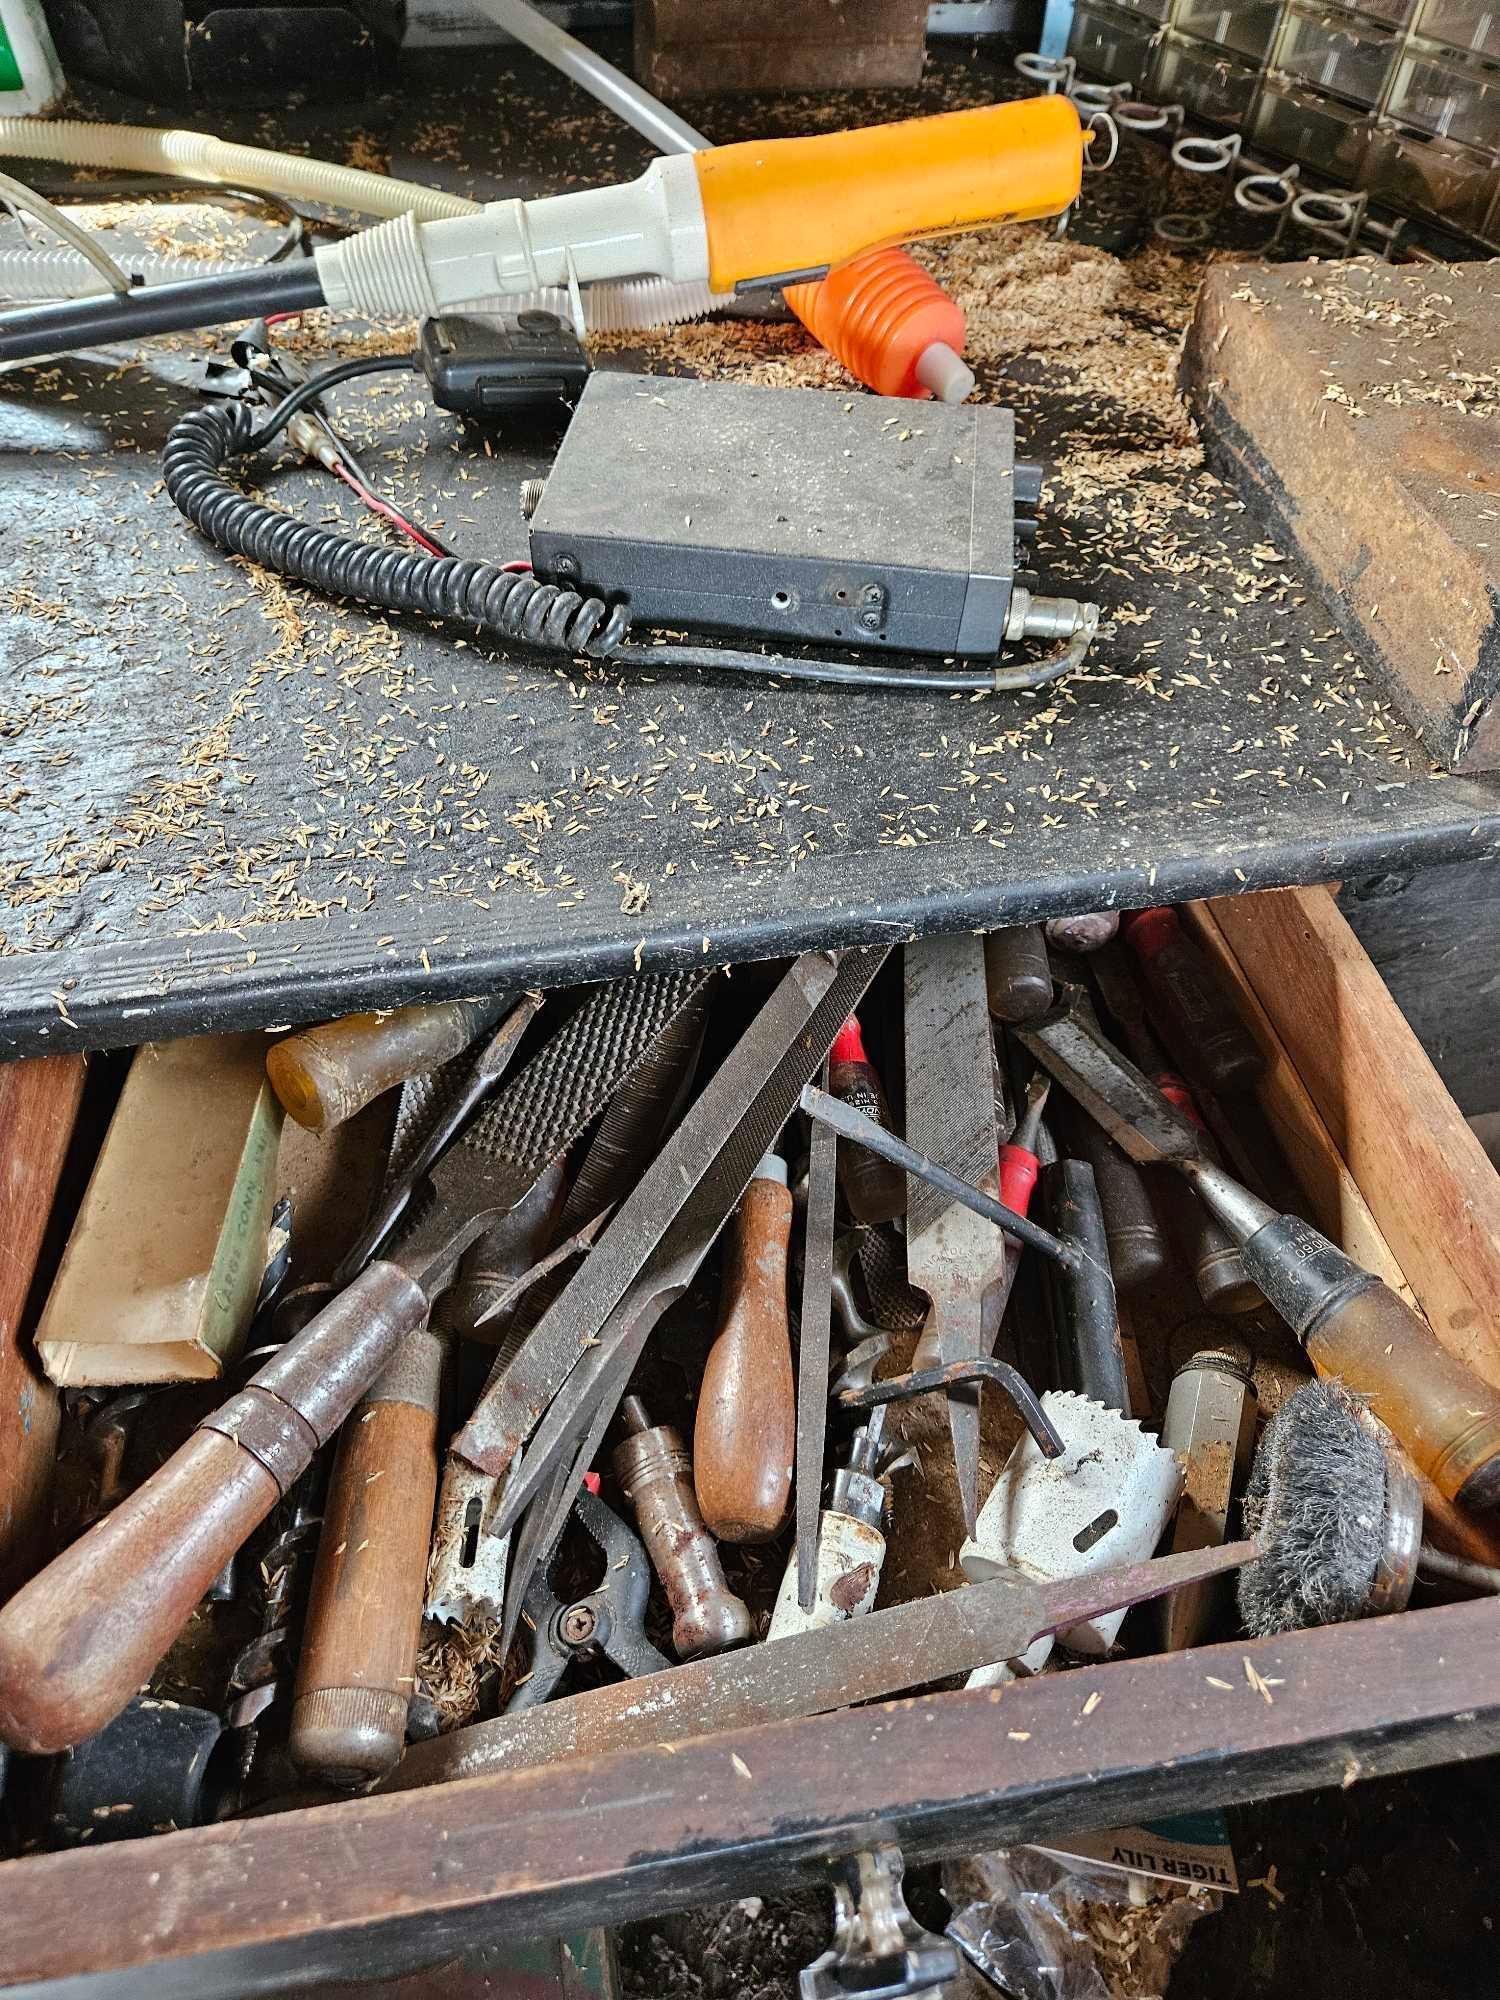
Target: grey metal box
790,513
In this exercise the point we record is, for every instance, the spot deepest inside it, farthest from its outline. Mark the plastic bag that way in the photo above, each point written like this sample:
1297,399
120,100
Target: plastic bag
1035,1927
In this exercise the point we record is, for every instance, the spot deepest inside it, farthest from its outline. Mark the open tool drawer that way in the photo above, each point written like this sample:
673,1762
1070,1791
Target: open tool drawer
370,1887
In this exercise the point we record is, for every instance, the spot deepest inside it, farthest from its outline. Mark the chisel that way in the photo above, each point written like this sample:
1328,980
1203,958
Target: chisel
324,1075
1351,1323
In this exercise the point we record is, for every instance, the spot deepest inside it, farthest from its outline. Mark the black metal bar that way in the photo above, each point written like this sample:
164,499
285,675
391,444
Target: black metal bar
852,1124
1088,1287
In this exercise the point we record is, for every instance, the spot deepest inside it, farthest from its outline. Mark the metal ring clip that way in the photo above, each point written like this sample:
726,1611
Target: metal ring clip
1198,154
1049,71
1100,121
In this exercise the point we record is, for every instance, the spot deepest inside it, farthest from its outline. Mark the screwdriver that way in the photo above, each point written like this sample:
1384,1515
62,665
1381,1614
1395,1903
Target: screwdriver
1216,1265
1019,1167
873,1189
1351,1324
1199,1021
745,1433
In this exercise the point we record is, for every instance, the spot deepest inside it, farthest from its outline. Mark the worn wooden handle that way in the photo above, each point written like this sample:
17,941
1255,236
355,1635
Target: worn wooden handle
79,1639
324,1075
364,1617
745,1434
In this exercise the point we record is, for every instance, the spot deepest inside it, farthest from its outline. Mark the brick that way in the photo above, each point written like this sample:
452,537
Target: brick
1359,405
693,47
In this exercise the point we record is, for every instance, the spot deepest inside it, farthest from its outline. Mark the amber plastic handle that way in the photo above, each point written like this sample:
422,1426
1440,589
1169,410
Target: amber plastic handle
745,1434
324,1075
364,1617
82,1636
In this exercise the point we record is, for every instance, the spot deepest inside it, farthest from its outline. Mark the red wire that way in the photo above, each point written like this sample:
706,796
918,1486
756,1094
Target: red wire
387,512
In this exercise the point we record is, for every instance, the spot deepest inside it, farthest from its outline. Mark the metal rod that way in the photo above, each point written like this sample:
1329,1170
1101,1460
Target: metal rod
852,1124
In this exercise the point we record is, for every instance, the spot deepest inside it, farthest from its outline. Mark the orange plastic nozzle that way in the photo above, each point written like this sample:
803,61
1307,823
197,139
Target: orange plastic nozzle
773,207
881,315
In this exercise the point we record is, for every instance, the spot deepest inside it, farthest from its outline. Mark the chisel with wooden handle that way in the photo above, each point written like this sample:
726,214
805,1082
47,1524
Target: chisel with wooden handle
82,1636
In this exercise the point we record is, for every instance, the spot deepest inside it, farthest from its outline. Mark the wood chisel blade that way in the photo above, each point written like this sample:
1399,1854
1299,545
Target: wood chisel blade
749,1099
954,1256
883,1653
814,1329
1069,1042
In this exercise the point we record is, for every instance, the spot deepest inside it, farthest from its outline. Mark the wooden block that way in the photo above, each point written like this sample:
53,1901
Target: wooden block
1429,1186
38,1104
689,48
1349,400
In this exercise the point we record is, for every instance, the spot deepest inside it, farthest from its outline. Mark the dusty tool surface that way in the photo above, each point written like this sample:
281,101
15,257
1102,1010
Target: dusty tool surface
1361,403
226,802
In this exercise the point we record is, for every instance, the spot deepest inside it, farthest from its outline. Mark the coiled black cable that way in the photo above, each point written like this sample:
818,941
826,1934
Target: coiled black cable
504,604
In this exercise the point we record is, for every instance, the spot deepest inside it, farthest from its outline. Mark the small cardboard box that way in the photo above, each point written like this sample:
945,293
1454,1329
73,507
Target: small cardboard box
161,1271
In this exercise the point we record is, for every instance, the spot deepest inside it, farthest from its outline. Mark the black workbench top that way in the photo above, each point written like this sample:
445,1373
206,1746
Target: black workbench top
223,803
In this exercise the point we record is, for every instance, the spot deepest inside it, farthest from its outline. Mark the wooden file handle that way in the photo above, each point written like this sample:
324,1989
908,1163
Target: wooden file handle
364,1617
81,1637
324,1075
745,1434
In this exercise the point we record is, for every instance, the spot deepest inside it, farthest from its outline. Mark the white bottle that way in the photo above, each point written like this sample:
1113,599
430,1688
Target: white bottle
31,78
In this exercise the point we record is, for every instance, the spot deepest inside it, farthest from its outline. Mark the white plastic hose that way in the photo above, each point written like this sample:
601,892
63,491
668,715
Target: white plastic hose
27,275
620,93
628,305
198,156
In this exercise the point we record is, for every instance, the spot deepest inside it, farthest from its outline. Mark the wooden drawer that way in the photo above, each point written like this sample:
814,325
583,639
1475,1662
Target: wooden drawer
367,1888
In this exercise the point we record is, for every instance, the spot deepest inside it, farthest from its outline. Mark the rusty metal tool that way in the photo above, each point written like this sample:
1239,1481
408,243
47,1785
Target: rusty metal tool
815,1331
954,1256
85,1633
746,1419
807,1673
467,1572
656,1477
434,1109
857,1389
660,1236
609,1620
1351,1323
732,1125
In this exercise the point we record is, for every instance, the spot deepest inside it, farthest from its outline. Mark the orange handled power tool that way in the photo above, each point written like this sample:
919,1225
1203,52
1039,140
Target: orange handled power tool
760,213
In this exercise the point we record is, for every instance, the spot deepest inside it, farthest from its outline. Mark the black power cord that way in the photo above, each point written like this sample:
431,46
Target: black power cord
504,604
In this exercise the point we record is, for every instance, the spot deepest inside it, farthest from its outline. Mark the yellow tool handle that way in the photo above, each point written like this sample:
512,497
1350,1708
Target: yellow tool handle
785,205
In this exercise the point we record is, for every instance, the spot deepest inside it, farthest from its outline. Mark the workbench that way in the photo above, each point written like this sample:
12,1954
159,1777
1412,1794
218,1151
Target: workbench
225,803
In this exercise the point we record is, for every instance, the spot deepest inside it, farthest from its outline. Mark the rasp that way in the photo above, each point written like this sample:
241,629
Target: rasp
952,1255
738,1114
466,1577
